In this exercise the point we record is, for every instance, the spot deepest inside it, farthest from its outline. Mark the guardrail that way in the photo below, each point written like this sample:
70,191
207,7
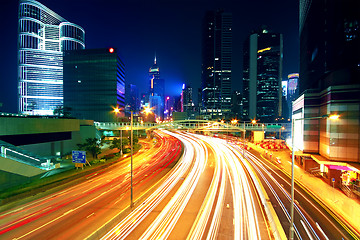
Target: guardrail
196,124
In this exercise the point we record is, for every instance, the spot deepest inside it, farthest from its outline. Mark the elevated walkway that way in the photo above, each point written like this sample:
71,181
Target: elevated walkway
9,151
197,125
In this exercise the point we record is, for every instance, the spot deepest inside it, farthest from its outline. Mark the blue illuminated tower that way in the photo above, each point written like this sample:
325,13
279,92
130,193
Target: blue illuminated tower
43,35
157,91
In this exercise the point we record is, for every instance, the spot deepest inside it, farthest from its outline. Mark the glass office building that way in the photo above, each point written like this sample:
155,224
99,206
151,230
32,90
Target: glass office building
94,84
216,64
43,35
262,75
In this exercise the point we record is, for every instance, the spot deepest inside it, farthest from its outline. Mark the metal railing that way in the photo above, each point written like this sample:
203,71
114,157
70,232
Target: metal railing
196,124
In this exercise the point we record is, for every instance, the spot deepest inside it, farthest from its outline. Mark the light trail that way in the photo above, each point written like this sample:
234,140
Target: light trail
307,226
207,222
96,187
130,222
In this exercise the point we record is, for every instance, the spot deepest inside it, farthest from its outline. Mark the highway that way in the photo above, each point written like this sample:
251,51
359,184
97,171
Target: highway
75,212
209,194
311,220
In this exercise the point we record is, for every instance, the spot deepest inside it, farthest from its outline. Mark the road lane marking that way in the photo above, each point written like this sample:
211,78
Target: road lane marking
322,231
307,230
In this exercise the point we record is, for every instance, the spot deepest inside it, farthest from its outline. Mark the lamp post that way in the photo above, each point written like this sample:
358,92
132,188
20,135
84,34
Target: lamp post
244,140
117,111
282,128
332,117
121,146
131,163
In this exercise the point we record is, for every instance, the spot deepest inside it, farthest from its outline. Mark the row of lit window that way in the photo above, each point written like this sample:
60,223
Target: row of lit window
72,32
52,32
26,57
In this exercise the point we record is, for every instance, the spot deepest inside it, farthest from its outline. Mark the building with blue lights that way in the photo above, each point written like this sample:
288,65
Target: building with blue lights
132,98
157,91
43,35
94,84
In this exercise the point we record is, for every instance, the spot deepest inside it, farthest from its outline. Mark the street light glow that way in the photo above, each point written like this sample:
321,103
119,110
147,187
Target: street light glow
334,117
147,110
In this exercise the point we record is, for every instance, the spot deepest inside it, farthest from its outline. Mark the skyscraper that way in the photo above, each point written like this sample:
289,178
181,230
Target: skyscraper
94,83
329,84
43,35
262,75
157,91
187,97
132,98
216,64
329,43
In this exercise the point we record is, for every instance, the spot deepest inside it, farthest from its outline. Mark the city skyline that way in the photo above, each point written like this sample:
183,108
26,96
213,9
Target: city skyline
172,30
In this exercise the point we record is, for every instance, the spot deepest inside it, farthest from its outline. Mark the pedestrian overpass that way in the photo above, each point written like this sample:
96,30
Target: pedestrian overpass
196,125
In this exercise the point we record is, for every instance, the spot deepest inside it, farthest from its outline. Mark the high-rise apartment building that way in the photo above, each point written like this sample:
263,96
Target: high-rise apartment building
216,64
262,75
43,35
94,83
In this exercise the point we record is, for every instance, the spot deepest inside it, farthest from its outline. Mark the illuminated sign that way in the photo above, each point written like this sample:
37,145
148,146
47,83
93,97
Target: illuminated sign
293,75
284,87
265,49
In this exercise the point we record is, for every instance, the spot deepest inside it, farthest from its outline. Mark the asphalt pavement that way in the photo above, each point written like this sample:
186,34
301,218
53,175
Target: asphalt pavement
343,207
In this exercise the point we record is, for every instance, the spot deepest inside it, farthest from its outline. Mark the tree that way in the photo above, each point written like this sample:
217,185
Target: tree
135,139
62,111
116,143
91,145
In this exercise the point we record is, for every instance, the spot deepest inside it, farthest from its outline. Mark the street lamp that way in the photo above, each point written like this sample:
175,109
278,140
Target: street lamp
332,117
117,111
131,163
244,140
282,128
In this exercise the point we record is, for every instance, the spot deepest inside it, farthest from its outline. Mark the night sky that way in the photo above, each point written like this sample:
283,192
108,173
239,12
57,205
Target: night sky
169,28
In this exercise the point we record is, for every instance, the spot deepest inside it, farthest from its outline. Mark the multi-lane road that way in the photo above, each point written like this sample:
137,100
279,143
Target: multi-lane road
312,219
76,212
208,195
211,192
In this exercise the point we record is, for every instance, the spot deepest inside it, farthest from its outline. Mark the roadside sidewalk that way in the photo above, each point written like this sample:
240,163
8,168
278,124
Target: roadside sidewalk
344,207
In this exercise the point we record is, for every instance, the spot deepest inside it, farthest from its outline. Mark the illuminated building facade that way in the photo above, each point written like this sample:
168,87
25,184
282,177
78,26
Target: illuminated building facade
290,92
329,84
157,91
187,97
132,98
262,75
43,35
216,64
94,83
